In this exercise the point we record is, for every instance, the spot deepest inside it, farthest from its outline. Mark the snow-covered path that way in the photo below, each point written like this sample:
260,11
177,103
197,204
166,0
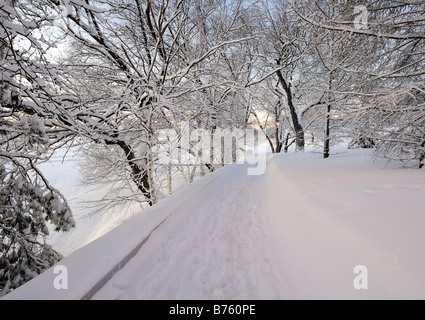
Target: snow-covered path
213,246
296,232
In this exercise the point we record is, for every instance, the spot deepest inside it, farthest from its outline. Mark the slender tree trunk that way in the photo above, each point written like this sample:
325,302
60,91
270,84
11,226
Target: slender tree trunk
422,156
2,47
298,128
278,148
150,161
281,138
212,131
326,148
285,149
200,155
170,172
270,143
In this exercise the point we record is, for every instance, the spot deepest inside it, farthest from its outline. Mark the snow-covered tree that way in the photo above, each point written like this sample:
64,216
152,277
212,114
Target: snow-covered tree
30,110
396,122
143,66
284,45
387,73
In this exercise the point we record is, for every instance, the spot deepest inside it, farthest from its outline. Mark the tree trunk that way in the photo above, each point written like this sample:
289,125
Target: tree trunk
170,171
151,190
278,147
298,128
285,149
422,156
200,154
140,176
2,48
326,148
1,81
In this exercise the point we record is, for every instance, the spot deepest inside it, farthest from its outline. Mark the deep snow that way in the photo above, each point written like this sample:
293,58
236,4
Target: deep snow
296,232
64,174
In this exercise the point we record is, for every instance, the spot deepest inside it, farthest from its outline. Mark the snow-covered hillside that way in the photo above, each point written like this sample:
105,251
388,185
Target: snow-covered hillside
296,232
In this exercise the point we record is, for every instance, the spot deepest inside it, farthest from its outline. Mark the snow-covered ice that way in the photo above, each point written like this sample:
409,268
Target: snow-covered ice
296,232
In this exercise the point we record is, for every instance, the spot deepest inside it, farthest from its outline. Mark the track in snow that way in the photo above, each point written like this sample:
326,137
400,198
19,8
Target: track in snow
296,232
213,246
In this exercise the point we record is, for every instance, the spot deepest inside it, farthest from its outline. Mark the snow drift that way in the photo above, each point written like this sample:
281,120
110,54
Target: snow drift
296,232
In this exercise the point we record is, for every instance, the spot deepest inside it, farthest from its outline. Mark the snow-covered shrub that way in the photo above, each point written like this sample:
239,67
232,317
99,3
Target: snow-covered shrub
398,125
362,142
